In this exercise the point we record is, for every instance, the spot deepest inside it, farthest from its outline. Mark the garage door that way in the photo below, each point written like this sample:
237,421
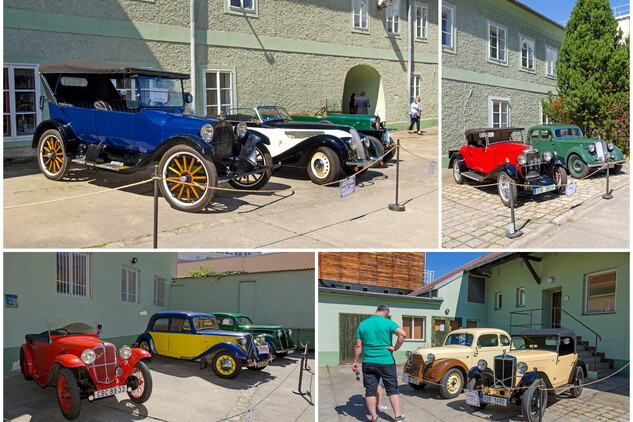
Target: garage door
348,324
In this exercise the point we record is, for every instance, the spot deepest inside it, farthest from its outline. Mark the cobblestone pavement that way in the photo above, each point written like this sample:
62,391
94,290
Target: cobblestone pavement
474,217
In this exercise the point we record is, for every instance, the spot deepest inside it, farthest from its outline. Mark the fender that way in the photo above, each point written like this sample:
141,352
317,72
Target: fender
436,370
63,361
231,347
581,364
305,148
148,338
62,127
529,378
27,357
138,354
272,340
195,142
617,152
511,169
558,161
582,152
484,375
259,138
456,155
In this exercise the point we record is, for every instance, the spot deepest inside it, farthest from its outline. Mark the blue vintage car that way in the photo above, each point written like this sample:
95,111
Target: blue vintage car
196,336
122,119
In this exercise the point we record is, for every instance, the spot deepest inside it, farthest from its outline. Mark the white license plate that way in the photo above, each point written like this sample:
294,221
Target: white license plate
499,401
544,189
405,379
110,391
414,381
262,349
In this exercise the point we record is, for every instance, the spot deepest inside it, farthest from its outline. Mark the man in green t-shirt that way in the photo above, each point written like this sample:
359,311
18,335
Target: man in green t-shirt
373,339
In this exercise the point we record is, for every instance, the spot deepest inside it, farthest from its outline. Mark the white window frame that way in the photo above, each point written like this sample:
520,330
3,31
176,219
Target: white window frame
497,60
206,88
452,32
70,282
498,300
491,102
416,86
130,293
550,67
530,41
542,117
521,296
392,18
160,290
615,293
421,24
241,9
13,136
360,8
413,318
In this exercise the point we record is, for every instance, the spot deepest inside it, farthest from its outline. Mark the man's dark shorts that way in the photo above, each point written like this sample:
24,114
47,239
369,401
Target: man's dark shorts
372,372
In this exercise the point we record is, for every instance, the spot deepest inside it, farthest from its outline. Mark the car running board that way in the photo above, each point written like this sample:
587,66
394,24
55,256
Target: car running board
112,165
474,176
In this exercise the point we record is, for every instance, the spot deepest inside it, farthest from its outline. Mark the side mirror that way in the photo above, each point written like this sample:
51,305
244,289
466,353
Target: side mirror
42,102
188,98
132,104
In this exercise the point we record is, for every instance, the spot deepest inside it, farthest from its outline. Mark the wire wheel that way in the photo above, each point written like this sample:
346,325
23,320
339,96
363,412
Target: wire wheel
144,383
506,188
457,173
185,176
256,180
560,175
534,401
52,157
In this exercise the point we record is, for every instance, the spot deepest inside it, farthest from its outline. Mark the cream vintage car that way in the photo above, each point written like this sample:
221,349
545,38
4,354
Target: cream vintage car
538,362
449,364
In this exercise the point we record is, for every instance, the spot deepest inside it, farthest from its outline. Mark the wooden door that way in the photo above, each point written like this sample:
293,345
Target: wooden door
348,324
556,303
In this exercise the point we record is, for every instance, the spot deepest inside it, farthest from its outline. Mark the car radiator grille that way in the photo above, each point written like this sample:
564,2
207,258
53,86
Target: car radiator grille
504,368
533,166
104,366
601,150
223,140
359,144
251,351
417,364
284,339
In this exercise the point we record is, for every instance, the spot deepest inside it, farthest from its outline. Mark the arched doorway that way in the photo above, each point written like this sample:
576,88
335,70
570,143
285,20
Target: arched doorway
365,78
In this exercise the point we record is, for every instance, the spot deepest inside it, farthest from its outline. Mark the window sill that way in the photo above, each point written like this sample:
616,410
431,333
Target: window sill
245,13
599,313
360,31
497,62
392,35
530,71
451,50
424,40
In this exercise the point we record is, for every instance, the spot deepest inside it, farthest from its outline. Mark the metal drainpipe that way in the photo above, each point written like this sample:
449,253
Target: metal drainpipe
410,55
192,21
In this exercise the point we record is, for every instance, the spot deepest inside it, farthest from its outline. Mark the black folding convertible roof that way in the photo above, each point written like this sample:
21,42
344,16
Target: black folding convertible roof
492,129
81,67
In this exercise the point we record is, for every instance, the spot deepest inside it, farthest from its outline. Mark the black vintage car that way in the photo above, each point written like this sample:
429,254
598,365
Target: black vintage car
120,118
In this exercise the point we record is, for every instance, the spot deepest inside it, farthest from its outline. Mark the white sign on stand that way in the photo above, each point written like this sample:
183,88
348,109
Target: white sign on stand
248,417
348,186
472,398
570,189
432,167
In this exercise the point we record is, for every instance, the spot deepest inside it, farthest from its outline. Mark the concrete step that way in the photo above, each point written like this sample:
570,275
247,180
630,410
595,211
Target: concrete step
599,374
598,366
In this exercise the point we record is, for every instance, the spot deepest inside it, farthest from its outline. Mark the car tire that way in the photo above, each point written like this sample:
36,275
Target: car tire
51,155
324,166
417,386
144,389
616,169
68,397
23,364
475,384
144,344
560,175
506,187
579,379
457,172
257,180
452,383
391,153
577,167
534,401
183,163
281,355
226,365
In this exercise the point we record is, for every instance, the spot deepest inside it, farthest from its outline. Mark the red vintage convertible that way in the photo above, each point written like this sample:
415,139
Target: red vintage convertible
500,154
70,356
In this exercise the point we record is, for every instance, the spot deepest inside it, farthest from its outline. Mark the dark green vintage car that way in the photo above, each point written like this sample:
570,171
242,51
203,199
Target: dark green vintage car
579,153
279,338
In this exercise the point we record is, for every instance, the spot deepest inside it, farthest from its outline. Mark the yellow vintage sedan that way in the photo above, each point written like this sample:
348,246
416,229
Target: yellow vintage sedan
196,336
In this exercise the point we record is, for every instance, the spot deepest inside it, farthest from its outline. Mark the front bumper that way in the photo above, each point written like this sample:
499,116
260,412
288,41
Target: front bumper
260,363
358,163
288,350
540,184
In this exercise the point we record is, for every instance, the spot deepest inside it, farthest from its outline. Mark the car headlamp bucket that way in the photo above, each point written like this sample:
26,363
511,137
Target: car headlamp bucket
430,358
522,160
366,142
88,356
547,156
610,146
241,130
482,364
280,333
591,148
350,143
522,367
242,341
206,133
289,332
409,354
125,352
375,122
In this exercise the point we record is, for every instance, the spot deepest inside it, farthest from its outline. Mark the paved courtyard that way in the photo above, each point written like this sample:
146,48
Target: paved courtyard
474,216
182,392
341,398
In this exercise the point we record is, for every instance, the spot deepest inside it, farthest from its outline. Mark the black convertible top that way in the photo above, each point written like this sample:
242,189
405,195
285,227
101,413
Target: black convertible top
562,332
82,67
492,129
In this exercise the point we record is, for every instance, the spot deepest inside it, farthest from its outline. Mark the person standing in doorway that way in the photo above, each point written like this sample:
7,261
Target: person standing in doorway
352,104
362,103
414,114
373,340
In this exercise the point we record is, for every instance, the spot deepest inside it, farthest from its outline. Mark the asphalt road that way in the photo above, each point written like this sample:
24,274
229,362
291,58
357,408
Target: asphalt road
298,215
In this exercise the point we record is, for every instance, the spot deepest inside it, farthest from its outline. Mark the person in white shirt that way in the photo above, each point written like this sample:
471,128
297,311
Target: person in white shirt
414,114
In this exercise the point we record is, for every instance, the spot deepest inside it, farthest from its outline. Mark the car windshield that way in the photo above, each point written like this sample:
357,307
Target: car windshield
273,113
504,136
535,342
568,132
241,114
244,320
65,326
205,323
459,339
160,92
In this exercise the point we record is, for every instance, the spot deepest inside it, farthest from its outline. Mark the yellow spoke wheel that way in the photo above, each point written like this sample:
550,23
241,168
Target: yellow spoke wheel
52,158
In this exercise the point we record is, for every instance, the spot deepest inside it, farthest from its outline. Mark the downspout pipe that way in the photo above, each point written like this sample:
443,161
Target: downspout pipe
410,54
192,26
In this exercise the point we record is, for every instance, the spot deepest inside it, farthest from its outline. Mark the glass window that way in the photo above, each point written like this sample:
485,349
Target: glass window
421,21
161,92
527,53
242,5
416,84
551,59
177,324
460,339
488,340
73,274
600,292
500,113
496,43
505,341
476,289
203,323
160,286
413,327
393,17
360,14
129,285
227,322
161,324
21,112
218,91
521,296
498,300
448,27
244,321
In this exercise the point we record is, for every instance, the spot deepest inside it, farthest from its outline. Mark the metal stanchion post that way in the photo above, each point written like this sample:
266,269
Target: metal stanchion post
304,357
607,195
513,233
155,207
396,206
306,360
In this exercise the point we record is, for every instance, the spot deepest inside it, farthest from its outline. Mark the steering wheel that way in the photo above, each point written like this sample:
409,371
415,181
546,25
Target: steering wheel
63,329
321,112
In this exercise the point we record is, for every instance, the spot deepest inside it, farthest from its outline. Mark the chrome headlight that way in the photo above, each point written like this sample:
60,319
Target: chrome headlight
547,156
289,332
280,333
591,148
88,356
125,352
409,354
241,130
366,142
482,364
522,367
610,146
430,358
522,160
351,144
242,341
206,133
375,122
